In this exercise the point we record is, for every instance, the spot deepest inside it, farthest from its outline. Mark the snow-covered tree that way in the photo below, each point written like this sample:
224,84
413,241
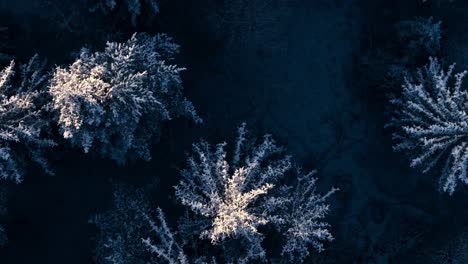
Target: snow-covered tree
165,245
431,123
306,211
129,234
239,196
24,120
122,228
233,196
134,7
227,203
113,102
168,249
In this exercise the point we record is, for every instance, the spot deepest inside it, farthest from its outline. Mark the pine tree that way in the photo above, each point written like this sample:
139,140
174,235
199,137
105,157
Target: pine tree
114,102
431,123
238,197
24,119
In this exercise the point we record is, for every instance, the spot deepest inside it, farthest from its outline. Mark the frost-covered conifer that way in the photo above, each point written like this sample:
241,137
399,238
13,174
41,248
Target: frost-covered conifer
167,248
431,123
233,195
113,102
128,233
134,7
122,228
239,196
23,120
227,204
304,220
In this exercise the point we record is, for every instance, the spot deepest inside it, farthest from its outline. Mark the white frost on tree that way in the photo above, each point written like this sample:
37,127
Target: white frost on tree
233,196
129,235
134,7
114,102
431,123
23,106
229,207
167,249
165,246
305,225
238,197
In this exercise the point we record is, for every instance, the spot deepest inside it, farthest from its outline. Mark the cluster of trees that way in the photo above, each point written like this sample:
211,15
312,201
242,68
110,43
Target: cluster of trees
431,122
230,201
25,128
428,114
110,103
113,102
